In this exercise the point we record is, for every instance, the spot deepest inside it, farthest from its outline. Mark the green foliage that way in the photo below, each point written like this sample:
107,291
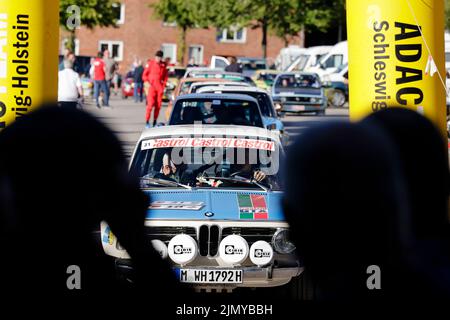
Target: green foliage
283,17
93,13
187,14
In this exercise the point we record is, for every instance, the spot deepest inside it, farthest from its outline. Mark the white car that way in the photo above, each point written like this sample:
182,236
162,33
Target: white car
198,85
213,214
269,113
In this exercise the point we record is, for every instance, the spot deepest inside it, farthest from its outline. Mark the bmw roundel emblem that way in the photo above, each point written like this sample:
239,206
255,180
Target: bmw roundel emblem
209,214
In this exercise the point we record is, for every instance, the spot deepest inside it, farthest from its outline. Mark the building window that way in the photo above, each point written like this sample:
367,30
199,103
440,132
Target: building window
119,9
77,46
170,51
196,54
232,34
115,48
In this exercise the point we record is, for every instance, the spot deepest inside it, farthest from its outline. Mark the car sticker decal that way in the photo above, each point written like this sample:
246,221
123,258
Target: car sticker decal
252,207
108,236
176,205
240,143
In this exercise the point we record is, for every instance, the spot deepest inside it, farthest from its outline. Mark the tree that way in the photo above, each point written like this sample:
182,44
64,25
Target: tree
295,16
88,13
187,14
285,18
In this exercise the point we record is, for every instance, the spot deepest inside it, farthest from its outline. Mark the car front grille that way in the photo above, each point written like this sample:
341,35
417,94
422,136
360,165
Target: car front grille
208,237
298,99
166,233
208,240
251,234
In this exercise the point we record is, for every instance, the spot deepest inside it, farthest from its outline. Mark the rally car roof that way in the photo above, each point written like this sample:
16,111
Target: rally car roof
210,130
216,96
303,73
221,83
231,89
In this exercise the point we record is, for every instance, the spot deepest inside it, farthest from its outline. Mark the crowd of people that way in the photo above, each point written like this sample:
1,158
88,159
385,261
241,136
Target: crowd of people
102,70
373,193
149,81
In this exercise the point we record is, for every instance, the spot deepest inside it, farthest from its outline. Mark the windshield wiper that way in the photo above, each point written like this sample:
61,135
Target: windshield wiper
166,183
240,179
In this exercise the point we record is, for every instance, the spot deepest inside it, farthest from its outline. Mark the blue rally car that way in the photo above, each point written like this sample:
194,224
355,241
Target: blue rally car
215,210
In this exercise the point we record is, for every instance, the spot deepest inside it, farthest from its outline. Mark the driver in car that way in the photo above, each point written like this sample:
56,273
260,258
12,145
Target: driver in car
247,170
168,169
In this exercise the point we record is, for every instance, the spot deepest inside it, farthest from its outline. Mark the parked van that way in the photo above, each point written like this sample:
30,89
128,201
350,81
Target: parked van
337,56
309,58
287,56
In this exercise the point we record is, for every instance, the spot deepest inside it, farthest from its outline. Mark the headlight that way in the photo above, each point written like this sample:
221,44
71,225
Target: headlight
182,249
316,100
283,99
281,243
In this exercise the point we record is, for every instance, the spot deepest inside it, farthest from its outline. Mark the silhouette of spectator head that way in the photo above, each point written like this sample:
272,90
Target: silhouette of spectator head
62,172
423,155
343,201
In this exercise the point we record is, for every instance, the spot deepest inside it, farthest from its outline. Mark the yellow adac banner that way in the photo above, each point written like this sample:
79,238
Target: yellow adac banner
396,57
29,36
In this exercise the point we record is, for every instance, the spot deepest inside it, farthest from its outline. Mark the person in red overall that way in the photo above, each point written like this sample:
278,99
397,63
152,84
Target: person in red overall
156,75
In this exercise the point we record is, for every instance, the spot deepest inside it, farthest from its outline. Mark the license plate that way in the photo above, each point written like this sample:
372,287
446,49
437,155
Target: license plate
298,108
209,276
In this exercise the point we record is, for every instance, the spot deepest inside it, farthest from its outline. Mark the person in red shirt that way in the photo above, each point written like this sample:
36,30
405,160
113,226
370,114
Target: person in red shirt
100,80
156,75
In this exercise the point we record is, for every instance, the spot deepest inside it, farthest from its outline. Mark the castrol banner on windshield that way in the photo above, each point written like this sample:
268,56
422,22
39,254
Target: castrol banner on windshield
396,57
208,142
29,38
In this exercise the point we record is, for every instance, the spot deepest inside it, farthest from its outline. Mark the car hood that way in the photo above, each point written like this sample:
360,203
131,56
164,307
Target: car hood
297,91
216,204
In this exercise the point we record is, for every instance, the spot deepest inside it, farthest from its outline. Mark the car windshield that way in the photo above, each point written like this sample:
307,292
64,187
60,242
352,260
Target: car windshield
293,81
263,99
300,63
216,111
208,162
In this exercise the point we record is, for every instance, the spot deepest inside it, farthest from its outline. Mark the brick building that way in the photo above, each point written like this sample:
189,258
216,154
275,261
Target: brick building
139,35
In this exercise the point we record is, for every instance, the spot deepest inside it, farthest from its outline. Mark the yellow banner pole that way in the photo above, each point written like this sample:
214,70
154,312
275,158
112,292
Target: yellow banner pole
396,57
29,37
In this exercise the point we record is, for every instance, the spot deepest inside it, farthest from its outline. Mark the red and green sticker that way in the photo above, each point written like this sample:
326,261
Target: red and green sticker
252,207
